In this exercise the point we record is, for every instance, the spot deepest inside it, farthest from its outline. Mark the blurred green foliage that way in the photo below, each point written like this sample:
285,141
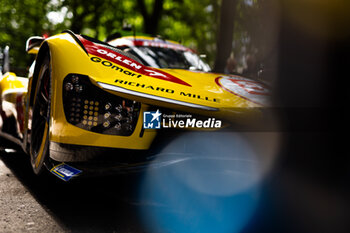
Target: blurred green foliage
194,23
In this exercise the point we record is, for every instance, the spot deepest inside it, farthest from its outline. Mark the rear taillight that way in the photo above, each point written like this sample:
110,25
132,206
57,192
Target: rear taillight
88,107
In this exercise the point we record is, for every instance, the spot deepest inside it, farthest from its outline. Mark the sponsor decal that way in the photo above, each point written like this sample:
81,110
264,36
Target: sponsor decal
157,120
201,97
251,90
143,86
124,61
115,67
64,171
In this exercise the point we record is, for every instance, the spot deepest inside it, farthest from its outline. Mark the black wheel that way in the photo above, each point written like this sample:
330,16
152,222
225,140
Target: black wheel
39,140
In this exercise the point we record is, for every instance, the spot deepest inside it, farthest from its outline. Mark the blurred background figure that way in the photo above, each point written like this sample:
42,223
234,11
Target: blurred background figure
251,69
231,65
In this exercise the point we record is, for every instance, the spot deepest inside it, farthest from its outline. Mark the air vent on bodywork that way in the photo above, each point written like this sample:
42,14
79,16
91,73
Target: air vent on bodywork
88,107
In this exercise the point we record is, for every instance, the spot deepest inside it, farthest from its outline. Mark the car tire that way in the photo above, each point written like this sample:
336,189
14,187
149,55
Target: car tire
39,138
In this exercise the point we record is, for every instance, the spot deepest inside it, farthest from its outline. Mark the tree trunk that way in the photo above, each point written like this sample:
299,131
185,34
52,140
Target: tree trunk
151,20
225,35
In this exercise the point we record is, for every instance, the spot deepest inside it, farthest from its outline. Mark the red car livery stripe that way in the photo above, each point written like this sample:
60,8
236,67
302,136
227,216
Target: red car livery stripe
161,45
151,43
110,55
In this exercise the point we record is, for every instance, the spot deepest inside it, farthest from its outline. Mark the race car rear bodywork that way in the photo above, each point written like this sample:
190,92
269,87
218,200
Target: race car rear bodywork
97,95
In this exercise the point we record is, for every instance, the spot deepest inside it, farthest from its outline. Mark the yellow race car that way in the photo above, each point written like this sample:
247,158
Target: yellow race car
84,99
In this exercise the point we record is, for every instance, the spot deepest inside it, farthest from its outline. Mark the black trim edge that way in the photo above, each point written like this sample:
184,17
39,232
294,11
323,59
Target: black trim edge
76,39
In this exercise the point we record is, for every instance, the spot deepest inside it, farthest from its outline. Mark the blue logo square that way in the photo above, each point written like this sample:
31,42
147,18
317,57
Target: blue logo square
151,120
64,171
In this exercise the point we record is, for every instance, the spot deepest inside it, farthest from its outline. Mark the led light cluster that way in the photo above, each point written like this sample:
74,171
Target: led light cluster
90,113
89,107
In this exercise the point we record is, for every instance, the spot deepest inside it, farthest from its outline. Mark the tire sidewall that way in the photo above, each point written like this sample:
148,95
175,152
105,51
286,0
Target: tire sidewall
45,143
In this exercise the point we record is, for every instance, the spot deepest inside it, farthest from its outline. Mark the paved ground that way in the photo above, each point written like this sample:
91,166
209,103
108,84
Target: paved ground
46,204
19,211
295,198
